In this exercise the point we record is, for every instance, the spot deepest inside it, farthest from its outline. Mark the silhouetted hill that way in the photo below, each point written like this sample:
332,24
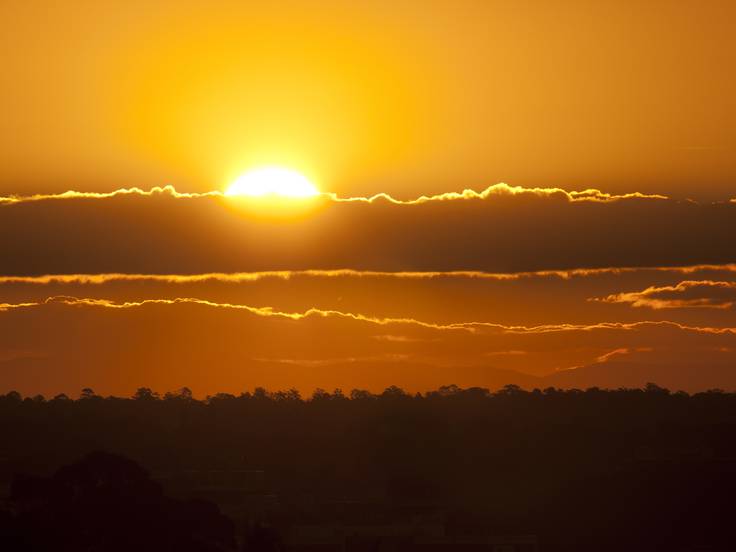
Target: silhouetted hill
687,374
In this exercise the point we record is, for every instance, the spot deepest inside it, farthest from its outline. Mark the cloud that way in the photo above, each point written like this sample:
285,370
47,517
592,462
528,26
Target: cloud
686,294
500,230
512,299
472,326
71,194
165,289
116,346
259,311
590,194
243,277
396,338
622,351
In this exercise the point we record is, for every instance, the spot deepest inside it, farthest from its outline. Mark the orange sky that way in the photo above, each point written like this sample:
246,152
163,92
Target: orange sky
401,97
590,266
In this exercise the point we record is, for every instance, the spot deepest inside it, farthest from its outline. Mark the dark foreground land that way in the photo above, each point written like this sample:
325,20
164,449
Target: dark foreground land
505,471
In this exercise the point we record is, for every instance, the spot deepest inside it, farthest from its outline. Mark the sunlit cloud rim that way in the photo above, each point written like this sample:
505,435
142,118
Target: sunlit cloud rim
651,297
471,327
500,189
242,277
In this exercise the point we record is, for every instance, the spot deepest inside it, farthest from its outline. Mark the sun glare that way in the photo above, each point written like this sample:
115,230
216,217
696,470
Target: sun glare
270,181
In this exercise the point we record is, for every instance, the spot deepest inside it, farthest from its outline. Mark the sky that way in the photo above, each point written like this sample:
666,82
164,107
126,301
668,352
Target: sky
538,193
405,97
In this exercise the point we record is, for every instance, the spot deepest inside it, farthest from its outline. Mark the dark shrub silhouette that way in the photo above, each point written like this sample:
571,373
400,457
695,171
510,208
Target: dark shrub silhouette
107,502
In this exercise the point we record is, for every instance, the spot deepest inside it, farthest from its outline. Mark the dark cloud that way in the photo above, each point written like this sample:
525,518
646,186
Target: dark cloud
497,232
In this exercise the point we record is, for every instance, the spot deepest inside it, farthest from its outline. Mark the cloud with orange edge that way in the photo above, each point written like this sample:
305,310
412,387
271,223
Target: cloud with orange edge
687,294
590,194
501,230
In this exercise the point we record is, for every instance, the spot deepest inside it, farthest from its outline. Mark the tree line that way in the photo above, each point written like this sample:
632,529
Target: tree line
583,469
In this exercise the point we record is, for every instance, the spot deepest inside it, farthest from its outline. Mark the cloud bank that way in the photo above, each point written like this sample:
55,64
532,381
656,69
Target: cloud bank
499,230
582,296
65,343
509,285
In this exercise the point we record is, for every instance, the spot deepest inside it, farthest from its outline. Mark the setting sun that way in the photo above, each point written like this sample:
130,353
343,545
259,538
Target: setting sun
272,181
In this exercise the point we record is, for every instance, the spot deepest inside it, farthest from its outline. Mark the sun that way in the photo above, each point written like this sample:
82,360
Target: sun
270,181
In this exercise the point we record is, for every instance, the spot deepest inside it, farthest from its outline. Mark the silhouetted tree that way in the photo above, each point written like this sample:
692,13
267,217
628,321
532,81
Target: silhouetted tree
108,502
87,393
145,394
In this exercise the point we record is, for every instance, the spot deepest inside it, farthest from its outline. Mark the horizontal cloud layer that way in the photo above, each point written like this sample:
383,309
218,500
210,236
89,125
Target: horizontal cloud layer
239,277
528,298
686,294
502,229
590,194
65,343
508,285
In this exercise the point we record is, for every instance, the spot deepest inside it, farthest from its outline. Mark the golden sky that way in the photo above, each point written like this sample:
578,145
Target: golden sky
596,248
404,97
